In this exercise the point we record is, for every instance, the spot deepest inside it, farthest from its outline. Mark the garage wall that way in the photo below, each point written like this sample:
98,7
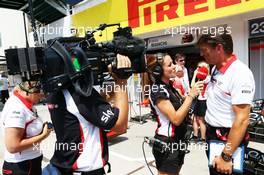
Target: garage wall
11,29
239,28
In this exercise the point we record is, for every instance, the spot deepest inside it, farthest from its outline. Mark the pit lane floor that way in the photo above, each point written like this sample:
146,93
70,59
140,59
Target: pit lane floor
126,156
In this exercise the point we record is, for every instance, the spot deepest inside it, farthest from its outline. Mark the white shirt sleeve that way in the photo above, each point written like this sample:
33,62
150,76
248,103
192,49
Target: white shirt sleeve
243,88
14,118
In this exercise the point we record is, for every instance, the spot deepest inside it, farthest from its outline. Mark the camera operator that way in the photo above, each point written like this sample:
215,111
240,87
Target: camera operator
171,110
23,131
80,123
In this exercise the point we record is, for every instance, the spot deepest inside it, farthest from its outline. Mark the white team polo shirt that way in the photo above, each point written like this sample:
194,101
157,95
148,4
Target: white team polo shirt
17,113
231,85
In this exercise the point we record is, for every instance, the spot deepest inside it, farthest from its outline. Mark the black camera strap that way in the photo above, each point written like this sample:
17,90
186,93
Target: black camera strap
83,84
63,53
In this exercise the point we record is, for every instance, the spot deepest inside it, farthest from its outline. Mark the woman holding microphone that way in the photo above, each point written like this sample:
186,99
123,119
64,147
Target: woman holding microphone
171,111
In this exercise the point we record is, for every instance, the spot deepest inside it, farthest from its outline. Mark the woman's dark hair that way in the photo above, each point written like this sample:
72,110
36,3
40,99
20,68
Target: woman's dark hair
158,58
214,40
156,69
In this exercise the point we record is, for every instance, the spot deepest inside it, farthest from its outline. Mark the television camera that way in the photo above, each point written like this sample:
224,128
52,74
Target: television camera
79,61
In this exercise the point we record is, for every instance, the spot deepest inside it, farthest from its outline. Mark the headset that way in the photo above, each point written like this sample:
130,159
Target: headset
158,70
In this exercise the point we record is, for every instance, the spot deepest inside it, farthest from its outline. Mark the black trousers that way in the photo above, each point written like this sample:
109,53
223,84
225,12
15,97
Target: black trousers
27,167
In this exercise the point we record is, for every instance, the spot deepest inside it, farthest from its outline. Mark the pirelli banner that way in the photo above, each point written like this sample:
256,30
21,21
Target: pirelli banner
151,15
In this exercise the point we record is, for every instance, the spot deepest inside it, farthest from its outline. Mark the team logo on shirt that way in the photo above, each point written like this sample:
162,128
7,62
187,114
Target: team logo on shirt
246,91
246,88
106,115
16,112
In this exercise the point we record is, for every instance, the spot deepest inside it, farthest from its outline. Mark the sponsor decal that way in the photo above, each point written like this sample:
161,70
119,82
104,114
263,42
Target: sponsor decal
106,115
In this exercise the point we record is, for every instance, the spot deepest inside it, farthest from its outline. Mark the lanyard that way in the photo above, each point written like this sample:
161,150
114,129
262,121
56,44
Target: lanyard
215,72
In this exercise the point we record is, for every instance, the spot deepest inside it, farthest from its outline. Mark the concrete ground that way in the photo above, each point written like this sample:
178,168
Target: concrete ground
126,156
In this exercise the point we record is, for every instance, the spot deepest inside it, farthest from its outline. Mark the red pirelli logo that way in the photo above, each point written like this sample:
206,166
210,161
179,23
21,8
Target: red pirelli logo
169,9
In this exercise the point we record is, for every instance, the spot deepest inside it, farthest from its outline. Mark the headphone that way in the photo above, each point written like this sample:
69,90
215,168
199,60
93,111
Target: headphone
158,70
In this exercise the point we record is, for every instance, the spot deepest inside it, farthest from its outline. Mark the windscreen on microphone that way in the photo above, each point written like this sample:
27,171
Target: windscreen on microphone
202,73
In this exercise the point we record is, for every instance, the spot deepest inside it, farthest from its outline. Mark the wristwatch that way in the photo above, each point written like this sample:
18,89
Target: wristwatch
226,157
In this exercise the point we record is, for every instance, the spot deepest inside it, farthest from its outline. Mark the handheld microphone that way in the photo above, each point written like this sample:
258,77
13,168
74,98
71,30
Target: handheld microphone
202,73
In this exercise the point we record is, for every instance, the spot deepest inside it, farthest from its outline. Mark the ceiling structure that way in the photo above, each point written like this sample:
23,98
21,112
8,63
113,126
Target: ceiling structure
45,11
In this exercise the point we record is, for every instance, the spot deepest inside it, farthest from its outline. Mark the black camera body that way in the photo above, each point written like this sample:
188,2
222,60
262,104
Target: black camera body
53,64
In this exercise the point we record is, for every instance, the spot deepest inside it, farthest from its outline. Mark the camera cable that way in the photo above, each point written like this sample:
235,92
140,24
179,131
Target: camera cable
145,155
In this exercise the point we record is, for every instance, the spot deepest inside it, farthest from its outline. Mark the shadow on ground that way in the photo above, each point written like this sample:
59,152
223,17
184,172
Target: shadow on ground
116,140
